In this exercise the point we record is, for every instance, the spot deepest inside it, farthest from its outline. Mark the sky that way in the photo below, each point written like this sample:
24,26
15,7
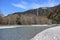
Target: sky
12,6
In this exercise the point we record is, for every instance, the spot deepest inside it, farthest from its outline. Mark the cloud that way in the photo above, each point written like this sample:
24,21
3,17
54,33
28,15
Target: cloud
32,5
19,6
26,6
51,3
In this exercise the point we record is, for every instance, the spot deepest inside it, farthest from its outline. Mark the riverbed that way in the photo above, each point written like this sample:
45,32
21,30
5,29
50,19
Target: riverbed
21,33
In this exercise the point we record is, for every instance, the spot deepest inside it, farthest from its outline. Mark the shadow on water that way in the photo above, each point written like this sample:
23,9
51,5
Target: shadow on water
21,33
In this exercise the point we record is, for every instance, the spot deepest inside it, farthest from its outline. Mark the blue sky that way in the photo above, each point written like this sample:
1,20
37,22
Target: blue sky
11,6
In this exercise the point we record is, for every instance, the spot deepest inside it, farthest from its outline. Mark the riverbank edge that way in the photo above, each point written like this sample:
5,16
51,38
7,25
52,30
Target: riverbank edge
15,26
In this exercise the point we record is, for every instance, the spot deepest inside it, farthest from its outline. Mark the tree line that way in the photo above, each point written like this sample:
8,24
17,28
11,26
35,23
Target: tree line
24,20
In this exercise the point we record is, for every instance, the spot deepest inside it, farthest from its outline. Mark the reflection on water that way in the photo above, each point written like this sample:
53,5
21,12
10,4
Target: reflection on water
20,33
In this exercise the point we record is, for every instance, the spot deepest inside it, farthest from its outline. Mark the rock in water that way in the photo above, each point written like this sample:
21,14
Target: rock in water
48,34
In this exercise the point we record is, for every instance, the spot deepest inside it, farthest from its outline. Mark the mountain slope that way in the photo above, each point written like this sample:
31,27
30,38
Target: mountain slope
55,14
46,15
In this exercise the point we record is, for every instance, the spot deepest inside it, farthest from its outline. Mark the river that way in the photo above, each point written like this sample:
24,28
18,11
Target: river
21,33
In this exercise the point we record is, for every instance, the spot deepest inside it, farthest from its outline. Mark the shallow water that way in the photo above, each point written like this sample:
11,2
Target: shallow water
20,33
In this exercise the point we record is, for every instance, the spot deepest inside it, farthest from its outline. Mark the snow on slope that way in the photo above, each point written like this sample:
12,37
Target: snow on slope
48,34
